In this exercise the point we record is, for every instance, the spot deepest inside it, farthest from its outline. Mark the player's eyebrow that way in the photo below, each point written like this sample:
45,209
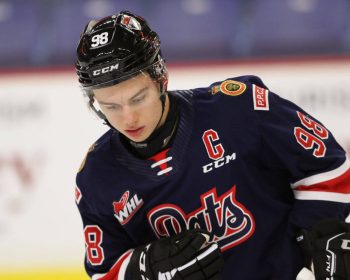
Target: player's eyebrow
141,91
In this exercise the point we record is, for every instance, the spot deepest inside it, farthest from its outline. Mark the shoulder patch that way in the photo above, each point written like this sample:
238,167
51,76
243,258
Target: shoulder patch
232,88
229,87
92,147
260,98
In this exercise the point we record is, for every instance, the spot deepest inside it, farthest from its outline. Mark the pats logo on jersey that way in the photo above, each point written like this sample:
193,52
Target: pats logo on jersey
126,207
227,219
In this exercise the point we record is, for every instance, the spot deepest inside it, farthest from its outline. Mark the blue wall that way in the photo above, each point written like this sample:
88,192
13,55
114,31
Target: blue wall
45,32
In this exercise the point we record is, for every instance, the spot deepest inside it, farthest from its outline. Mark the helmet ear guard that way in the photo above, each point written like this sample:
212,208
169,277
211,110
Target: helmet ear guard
159,74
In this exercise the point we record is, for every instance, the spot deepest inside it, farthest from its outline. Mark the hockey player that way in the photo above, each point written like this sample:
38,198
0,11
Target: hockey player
227,181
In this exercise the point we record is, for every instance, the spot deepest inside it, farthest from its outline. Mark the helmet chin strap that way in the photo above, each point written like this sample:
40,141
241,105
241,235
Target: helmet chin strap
162,100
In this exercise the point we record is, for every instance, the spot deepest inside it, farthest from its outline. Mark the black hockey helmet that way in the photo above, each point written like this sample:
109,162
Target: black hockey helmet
117,48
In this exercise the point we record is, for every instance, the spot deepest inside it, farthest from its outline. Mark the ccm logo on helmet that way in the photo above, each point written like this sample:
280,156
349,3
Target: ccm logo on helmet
105,70
345,244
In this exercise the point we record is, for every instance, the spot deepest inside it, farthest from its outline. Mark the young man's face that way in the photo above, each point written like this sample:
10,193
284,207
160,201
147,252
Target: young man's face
133,107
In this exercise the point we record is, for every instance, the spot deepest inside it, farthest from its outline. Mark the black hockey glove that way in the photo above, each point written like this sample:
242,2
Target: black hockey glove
187,256
327,249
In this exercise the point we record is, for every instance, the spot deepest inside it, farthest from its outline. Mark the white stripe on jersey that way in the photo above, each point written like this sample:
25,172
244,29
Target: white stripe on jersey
97,276
121,271
318,178
326,196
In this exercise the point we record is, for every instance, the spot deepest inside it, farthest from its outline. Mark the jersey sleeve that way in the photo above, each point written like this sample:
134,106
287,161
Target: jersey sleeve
107,248
297,144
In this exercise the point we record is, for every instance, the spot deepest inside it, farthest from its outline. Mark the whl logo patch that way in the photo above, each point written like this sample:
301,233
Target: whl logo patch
126,207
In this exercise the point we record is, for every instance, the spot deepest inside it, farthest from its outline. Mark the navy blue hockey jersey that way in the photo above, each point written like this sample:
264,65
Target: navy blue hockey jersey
245,164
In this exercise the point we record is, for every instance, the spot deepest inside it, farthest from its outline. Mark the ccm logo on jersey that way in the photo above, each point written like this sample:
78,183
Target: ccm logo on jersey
215,151
105,70
260,97
126,207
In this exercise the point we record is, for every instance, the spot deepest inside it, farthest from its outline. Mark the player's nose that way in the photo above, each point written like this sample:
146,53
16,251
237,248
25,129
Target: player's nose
129,116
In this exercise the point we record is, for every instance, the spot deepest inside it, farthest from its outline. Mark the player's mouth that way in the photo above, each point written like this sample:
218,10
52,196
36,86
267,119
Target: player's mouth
135,132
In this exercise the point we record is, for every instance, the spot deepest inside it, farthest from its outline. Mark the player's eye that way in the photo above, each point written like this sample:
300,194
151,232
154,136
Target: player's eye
138,99
112,107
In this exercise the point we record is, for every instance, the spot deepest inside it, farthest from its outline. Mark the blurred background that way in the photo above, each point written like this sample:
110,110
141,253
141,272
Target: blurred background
300,48
36,33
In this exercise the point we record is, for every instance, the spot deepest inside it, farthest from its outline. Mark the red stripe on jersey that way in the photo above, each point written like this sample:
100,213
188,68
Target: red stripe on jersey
160,156
114,271
340,184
